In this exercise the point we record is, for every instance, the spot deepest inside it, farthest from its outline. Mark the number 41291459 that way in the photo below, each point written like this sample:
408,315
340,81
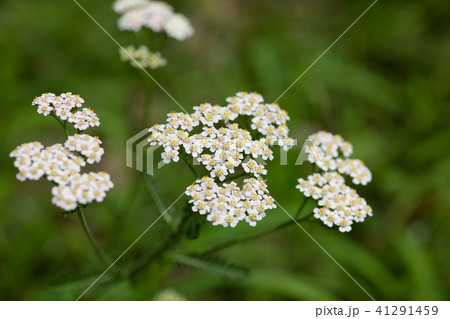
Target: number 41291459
407,310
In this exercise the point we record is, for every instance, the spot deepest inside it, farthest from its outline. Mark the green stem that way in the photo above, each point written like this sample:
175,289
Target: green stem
152,190
299,210
190,166
147,105
124,211
260,234
98,250
171,240
235,176
66,131
62,123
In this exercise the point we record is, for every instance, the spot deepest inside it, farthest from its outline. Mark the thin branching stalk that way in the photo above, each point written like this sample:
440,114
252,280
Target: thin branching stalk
146,114
66,130
170,241
98,250
62,123
235,176
152,190
260,234
190,166
175,237
300,209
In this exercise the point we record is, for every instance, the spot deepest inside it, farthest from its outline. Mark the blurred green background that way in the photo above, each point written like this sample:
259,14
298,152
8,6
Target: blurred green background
384,87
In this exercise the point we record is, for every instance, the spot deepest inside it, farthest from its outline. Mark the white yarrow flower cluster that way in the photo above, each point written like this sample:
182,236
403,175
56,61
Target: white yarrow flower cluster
142,57
228,204
177,26
61,164
56,162
60,104
87,146
227,148
81,189
122,6
66,107
340,204
83,119
331,152
155,15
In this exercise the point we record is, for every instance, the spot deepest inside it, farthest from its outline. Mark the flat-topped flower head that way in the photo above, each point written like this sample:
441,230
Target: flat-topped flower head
157,16
56,163
122,6
66,107
177,26
339,204
331,152
228,204
81,189
83,119
87,146
212,136
61,104
142,57
61,164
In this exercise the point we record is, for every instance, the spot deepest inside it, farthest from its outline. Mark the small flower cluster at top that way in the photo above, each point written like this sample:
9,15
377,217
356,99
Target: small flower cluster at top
223,150
61,163
63,107
340,204
142,57
155,15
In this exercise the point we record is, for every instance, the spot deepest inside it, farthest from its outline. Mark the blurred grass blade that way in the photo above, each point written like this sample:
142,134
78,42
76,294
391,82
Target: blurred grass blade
420,271
158,199
293,286
212,265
